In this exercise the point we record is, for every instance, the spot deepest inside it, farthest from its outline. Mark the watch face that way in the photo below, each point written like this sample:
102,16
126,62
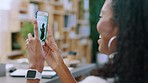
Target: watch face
31,74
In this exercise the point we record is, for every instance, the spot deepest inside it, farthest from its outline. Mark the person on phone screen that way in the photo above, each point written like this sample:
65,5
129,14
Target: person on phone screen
123,27
42,29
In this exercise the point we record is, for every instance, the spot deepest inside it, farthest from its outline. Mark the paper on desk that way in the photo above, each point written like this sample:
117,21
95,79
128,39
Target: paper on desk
23,60
9,66
48,68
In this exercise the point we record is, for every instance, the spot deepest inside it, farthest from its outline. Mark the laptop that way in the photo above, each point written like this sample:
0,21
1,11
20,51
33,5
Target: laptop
47,72
22,73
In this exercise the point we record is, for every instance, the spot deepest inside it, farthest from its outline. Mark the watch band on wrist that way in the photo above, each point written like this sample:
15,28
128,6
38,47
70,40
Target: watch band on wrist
33,74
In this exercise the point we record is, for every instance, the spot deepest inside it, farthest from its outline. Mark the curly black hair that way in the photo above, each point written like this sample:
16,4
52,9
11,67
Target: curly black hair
131,60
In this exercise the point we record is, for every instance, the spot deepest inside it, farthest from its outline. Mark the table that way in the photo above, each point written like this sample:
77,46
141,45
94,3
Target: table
80,70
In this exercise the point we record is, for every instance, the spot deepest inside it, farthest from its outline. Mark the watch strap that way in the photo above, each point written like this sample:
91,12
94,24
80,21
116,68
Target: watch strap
38,75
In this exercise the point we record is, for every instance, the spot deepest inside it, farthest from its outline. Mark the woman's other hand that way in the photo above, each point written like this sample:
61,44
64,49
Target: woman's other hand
55,61
52,53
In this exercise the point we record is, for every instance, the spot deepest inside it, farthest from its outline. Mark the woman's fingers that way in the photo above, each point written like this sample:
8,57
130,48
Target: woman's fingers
35,32
46,43
50,36
29,37
35,29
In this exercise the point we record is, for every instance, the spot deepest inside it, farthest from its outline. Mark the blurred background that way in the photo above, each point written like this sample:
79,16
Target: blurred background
73,23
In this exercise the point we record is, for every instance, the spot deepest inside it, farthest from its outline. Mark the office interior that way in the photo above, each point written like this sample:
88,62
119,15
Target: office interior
73,23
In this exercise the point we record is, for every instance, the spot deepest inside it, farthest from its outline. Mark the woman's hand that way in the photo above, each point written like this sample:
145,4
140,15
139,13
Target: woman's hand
35,53
55,61
52,52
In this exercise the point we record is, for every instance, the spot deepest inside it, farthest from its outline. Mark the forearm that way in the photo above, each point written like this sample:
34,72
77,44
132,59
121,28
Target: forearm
64,74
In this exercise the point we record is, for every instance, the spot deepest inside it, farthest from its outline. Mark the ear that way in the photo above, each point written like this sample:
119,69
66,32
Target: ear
112,43
115,30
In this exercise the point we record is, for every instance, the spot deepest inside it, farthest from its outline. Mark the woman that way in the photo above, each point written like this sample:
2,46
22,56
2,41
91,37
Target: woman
122,27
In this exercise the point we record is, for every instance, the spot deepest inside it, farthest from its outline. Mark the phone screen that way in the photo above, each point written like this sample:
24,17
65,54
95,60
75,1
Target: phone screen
42,27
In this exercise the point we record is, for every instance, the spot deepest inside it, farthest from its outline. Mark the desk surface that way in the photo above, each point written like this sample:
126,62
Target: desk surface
80,70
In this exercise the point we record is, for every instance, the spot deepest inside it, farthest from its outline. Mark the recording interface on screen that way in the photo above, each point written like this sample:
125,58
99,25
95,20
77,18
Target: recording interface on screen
42,25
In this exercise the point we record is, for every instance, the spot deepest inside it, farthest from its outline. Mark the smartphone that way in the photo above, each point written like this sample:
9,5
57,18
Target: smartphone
42,20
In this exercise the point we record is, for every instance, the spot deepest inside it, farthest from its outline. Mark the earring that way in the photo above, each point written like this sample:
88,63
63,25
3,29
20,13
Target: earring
110,41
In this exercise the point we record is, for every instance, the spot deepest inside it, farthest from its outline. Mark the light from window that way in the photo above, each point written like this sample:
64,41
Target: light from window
5,4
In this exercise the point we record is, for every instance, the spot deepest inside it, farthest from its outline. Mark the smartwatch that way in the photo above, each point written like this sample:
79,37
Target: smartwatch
33,74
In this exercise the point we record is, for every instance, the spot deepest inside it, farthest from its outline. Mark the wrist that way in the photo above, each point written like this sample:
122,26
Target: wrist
60,68
37,67
64,74
33,76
